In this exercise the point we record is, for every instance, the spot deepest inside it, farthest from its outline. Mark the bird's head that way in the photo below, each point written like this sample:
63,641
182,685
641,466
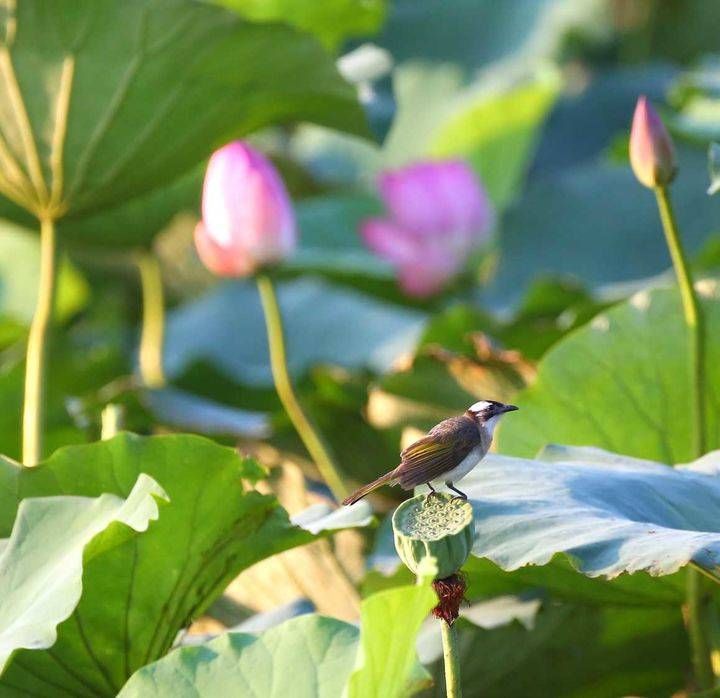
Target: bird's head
487,413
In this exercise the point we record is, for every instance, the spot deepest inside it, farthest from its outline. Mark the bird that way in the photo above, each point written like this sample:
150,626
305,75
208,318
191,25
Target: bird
449,451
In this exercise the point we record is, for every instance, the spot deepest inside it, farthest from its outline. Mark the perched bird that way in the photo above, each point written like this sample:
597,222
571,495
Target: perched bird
448,453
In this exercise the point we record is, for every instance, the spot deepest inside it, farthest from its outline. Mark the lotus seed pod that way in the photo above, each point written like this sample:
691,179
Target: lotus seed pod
437,526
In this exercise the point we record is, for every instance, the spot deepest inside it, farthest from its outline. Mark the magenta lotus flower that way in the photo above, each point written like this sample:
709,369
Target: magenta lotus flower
437,214
248,220
651,151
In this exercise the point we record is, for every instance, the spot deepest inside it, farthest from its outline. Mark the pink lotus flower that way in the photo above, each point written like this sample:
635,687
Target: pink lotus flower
651,151
247,216
438,213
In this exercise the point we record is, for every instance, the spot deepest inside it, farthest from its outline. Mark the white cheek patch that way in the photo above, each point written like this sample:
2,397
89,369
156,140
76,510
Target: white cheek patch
480,406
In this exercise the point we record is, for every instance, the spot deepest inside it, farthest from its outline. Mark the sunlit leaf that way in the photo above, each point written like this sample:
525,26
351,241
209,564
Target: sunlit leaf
305,657
610,513
622,383
139,594
329,21
41,564
121,98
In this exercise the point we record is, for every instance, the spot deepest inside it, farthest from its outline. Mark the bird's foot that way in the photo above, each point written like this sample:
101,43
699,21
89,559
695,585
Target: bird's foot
432,493
459,495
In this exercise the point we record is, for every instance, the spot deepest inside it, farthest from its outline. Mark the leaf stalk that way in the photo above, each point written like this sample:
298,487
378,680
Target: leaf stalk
152,333
701,650
37,347
309,434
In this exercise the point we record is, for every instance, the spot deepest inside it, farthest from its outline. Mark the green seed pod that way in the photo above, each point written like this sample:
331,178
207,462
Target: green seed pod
437,526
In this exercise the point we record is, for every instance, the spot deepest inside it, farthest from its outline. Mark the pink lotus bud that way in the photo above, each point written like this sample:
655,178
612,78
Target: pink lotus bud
247,216
651,151
438,213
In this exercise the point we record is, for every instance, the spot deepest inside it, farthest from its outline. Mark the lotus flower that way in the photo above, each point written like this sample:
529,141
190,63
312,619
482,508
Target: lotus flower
651,151
437,214
247,216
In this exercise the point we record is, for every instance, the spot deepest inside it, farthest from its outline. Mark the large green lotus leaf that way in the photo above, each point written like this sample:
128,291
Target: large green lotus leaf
138,595
152,88
622,383
563,226
307,657
138,221
331,22
41,563
611,514
324,323
575,650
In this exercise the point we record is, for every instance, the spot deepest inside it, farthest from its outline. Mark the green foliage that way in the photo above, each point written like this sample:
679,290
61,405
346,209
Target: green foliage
391,619
129,128
575,650
306,657
620,383
331,22
42,561
610,513
139,594
537,96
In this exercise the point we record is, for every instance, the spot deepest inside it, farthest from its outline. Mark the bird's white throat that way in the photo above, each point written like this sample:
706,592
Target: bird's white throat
492,423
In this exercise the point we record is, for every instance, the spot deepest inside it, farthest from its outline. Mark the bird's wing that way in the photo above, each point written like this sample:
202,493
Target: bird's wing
437,453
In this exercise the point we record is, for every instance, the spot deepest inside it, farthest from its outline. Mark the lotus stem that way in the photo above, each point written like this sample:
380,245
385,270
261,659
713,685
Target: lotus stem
152,334
37,348
693,316
309,434
451,657
699,642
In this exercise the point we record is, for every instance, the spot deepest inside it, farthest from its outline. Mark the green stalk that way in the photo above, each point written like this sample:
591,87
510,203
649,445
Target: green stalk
699,641
152,334
317,449
37,346
693,316
451,657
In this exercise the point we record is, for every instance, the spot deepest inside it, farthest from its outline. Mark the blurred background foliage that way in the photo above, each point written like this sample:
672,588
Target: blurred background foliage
537,96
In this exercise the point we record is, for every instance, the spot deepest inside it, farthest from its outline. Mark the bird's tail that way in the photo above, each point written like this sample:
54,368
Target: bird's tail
367,489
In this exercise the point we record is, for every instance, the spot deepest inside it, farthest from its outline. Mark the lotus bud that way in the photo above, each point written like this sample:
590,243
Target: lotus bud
438,526
651,150
247,216
437,214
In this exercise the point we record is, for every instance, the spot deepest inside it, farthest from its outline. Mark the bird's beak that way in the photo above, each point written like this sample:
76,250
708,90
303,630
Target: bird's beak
509,408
